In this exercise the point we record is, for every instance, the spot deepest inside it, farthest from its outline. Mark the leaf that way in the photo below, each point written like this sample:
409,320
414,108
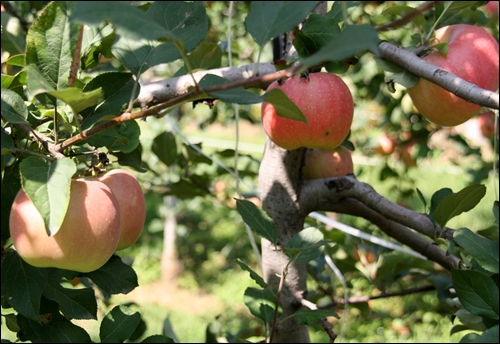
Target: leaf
13,36
205,56
388,66
116,89
132,159
402,11
13,107
22,285
477,292
11,184
308,317
317,31
114,277
123,137
128,20
403,78
456,204
268,19
118,325
284,106
237,95
165,147
73,303
260,302
256,219
51,42
485,251
305,245
436,198
259,280
47,185
422,198
77,99
346,44
158,338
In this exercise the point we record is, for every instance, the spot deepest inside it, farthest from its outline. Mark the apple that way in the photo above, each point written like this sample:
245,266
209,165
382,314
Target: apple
492,8
320,163
486,122
87,237
472,56
132,204
406,154
386,145
326,102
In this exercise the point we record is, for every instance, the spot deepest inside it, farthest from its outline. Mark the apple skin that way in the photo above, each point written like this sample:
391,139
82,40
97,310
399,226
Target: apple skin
132,204
386,144
406,156
327,104
88,235
472,56
486,122
321,163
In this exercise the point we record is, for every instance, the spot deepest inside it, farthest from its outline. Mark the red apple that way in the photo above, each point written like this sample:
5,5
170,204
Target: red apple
321,163
327,104
132,204
386,144
406,154
486,122
472,56
88,235
492,8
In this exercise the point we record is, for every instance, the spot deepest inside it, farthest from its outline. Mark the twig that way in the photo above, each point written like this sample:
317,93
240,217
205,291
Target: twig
405,19
326,326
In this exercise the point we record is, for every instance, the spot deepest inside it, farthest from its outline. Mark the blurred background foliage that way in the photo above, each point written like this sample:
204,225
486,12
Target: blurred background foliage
207,288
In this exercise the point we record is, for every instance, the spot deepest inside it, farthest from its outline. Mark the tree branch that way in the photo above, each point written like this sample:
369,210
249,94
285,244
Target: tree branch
441,77
318,193
407,18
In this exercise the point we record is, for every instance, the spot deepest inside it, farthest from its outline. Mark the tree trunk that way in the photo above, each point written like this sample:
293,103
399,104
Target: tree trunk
279,184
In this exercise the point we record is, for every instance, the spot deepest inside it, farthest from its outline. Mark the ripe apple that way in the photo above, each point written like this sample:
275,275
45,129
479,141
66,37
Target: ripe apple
472,56
406,154
486,122
132,204
320,163
386,144
88,235
326,102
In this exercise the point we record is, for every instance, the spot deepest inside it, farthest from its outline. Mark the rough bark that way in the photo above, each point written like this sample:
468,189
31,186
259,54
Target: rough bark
279,184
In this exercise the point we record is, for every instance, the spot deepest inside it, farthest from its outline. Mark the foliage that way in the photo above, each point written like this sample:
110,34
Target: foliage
70,82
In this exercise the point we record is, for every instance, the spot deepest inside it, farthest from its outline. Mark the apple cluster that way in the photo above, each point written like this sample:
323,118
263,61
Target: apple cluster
104,214
326,102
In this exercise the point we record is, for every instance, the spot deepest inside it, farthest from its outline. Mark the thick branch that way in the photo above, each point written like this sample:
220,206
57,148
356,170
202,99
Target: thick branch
166,89
318,193
395,230
441,77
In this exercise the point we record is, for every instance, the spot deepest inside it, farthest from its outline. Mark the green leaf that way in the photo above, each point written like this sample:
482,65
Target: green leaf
22,285
485,251
305,245
488,336
158,338
284,106
77,99
495,211
16,60
205,56
256,219
477,292
128,20
317,31
73,303
118,325
47,184
308,317
235,95
436,198
422,198
388,66
346,44
402,11
114,277
165,147
116,89
13,107
11,184
51,42
132,159
403,78
13,36
123,137
268,19
185,189
255,276
260,302
456,204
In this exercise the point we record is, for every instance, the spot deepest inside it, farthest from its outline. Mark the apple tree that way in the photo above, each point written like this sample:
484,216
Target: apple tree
76,84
